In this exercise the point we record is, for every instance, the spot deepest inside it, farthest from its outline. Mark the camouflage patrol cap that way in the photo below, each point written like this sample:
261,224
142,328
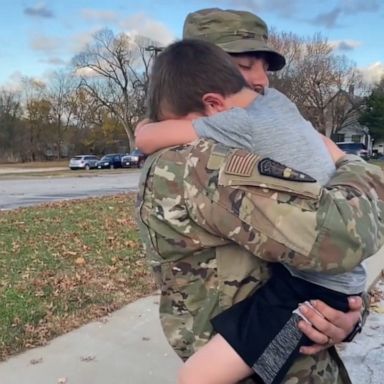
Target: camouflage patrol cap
233,31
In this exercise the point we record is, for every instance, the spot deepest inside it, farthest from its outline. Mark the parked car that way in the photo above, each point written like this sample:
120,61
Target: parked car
83,162
358,149
135,159
111,161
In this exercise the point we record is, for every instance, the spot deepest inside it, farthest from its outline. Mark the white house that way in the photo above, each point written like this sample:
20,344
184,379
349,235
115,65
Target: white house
354,132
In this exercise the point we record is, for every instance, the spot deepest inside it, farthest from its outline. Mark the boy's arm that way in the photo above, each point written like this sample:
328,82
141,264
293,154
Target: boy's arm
335,152
232,128
151,137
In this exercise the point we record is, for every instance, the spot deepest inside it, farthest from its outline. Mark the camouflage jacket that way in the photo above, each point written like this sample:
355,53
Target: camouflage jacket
212,218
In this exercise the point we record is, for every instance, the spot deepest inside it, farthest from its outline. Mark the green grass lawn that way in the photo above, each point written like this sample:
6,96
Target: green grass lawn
64,264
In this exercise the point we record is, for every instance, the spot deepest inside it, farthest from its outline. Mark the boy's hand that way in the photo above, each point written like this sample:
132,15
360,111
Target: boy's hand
333,149
329,326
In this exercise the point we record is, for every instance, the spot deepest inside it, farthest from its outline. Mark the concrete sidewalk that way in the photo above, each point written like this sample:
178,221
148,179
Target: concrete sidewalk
128,347
364,356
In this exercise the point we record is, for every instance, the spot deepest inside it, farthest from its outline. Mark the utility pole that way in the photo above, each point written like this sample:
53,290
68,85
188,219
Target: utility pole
154,49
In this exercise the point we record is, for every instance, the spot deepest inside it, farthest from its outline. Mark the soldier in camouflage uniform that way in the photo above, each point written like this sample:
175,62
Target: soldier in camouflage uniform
209,227
245,37
211,278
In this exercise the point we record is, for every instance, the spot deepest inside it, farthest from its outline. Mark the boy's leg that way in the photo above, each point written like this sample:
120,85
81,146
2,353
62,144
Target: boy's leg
263,330
215,363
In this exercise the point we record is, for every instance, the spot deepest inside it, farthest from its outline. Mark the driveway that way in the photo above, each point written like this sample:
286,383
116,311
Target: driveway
31,191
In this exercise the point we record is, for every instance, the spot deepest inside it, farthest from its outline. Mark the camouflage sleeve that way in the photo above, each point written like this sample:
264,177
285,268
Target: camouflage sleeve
281,215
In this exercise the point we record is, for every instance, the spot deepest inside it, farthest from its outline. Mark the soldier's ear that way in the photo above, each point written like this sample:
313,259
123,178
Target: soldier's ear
213,103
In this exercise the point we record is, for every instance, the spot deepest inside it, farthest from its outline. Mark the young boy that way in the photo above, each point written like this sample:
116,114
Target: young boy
197,85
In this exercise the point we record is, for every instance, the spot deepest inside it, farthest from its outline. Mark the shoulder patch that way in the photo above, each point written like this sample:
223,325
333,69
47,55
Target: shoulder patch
217,157
241,163
269,167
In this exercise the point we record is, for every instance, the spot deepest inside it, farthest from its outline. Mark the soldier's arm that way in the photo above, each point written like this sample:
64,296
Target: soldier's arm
246,200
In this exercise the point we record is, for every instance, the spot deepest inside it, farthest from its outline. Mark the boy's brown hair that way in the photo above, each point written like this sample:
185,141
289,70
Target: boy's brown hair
184,72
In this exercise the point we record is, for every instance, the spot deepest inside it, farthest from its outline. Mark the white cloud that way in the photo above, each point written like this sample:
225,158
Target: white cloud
373,73
54,61
85,72
45,44
137,24
80,40
99,16
282,8
141,24
345,45
15,81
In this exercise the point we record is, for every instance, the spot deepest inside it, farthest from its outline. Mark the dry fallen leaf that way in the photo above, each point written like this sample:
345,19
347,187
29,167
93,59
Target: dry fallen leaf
377,309
36,361
88,358
82,276
80,261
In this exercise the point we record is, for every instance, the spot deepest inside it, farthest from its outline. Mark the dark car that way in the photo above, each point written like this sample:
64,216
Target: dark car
135,159
83,162
358,149
111,161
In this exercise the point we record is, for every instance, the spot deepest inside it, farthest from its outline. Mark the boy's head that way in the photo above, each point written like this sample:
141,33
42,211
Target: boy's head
185,73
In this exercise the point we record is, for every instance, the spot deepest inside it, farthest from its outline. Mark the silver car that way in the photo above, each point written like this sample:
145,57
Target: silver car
83,162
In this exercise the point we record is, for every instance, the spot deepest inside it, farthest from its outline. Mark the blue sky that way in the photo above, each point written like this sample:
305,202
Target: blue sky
38,37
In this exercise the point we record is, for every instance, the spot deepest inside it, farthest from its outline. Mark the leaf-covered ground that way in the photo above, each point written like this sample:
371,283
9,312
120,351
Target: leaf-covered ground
64,264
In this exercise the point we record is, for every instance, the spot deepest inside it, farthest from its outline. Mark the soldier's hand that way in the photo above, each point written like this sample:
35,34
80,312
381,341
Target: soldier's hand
329,326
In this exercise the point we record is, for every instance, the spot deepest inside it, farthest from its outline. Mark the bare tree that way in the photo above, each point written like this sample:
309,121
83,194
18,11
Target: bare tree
317,80
61,92
36,119
346,105
10,125
114,71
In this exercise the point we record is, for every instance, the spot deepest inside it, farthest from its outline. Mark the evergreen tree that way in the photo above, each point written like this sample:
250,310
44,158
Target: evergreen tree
373,116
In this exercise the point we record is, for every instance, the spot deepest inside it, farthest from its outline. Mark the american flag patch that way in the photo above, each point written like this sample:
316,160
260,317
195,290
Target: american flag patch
241,164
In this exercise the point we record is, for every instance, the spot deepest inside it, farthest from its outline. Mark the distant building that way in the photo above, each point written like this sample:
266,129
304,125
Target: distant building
352,131
378,146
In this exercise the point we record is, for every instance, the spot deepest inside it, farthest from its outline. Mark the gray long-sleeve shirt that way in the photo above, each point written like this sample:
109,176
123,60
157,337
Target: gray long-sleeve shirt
272,126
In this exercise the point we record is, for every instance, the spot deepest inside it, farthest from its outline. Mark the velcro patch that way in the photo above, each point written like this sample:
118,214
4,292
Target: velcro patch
241,164
269,167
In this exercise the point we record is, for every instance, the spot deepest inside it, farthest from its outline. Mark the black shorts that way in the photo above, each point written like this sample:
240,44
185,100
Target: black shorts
262,328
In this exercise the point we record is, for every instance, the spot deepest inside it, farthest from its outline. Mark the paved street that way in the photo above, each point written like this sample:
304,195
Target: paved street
30,191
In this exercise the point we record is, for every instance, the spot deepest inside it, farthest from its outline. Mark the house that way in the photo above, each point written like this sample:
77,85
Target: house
348,106
354,132
378,146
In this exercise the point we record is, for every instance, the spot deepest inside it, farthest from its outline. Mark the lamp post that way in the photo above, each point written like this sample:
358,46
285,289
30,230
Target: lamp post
154,49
